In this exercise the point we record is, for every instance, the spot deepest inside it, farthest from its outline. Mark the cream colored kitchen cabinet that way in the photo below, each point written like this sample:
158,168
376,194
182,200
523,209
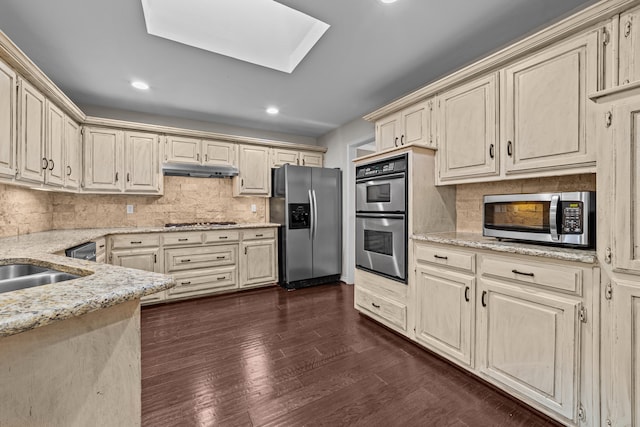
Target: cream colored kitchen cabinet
54,174
72,154
468,130
218,153
147,259
101,250
445,312
103,157
629,41
200,282
312,159
382,299
198,151
31,144
281,156
545,124
258,259
413,125
254,178
8,121
142,163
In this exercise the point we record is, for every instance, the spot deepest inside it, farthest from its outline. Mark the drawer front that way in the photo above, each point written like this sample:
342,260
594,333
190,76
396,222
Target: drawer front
129,241
177,239
393,312
560,277
446,257
259,233
221,236
205,281
199,257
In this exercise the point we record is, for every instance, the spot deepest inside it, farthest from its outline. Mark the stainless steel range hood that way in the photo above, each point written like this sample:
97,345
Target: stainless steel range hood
199,171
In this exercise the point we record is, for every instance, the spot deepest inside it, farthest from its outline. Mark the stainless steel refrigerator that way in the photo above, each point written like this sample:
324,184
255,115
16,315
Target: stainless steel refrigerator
307,203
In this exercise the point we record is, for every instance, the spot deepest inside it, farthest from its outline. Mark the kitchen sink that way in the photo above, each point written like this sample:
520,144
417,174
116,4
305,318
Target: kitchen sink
21,276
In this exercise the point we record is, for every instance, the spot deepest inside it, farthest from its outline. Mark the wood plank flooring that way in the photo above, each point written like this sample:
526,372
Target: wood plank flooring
273,357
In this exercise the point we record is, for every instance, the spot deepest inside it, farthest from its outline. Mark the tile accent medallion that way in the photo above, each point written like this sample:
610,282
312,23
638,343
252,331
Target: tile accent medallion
469,196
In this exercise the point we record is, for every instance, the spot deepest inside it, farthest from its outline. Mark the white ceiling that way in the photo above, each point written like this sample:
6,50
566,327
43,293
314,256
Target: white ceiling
371,54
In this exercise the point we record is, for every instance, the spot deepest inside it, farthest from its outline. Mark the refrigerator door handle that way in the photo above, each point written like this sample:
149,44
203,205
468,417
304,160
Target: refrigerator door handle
314,224
312,212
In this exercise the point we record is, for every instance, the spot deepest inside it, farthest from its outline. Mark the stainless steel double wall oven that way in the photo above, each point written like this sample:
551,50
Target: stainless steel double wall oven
381,217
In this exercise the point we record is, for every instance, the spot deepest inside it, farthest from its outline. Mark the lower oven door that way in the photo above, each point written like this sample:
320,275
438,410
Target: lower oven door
381,244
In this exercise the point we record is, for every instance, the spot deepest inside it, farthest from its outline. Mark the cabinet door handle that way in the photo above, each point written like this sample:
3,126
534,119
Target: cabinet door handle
510,148
395,142
491,151
466,294
183,240
198,156
221,278
514,271
221,257
101,246
303,162
68,170
375,305
128,179
259,235
155,258
245,250
483,300
206,157
185,283
52,164
401,139
45,163
223,237
139,242
185,260
441,257
116,176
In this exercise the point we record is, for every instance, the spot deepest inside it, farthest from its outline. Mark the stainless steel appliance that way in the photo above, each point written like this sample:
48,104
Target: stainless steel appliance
84,251
381,217
307,203
566,219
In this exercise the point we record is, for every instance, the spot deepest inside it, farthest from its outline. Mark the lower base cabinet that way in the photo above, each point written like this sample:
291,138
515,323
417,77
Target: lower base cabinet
384,300
258,263
142,259
203,281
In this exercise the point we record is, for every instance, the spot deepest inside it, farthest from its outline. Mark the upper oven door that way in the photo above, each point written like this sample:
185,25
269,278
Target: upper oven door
381,194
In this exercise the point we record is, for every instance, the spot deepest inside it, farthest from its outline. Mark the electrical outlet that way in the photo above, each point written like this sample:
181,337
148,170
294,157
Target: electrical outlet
254,209
129,209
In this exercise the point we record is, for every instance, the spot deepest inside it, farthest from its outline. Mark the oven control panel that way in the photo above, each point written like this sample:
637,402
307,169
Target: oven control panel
572,217
383,167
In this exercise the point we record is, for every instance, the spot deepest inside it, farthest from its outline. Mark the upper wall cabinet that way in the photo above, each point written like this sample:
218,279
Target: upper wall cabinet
102,159
629,39
254,178
72,154
55,145
468,130
31,144
191,150
8,128
282,156
413,125
545,123
142,163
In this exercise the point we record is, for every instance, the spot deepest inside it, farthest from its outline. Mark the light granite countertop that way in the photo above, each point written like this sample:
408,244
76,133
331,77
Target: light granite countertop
478,241
102,286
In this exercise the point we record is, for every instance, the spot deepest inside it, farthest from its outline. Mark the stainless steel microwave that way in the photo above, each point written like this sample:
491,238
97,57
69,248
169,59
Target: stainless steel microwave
565,219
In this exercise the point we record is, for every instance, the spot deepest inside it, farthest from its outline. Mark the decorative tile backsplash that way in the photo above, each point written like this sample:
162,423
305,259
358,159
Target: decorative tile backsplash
469,196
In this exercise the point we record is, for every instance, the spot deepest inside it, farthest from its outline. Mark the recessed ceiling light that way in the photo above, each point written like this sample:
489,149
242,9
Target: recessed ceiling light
388,1
273,111
140,85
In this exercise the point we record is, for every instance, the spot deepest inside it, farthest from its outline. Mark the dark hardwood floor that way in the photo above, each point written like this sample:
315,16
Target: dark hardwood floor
276,358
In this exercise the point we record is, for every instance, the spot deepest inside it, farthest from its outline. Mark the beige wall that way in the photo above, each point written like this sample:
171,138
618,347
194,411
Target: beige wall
24,211
469,196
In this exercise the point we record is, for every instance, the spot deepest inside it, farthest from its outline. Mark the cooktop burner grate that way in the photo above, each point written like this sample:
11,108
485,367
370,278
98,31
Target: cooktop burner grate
198,224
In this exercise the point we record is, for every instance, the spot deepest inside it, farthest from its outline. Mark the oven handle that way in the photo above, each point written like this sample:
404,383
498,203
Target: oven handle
364,180
553,217
380,215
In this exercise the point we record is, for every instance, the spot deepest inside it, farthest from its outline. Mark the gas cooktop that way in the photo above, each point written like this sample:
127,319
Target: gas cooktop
198,224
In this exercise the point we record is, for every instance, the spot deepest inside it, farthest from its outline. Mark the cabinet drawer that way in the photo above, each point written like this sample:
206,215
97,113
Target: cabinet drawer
101,247
218,236
446,257
181,259
135,241
564,278
176,239
393,312
259,233
204,281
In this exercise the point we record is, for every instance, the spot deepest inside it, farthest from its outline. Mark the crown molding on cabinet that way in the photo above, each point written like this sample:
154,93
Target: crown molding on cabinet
121,124
615,93
573,24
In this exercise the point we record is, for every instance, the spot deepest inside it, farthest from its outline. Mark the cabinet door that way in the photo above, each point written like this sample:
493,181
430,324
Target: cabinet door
468,130
529,341
142,259
388,132
142,162
545,123
254,178
626,215
446,312
416,124
629,39
103,154
218,153
8,128
182,149
54,151
311,159
258,263
280,157
623,407
32,133
72,154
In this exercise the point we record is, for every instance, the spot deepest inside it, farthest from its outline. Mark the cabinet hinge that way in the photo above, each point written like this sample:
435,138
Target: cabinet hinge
608,119
627,28
607,255
582,414
430,104
605,36
583,314
608,422
608,291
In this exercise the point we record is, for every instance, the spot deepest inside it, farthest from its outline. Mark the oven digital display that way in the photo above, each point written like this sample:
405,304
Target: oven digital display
379,193
378,241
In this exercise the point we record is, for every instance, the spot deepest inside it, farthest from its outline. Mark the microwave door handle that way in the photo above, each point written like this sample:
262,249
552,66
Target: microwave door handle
311,214
553,217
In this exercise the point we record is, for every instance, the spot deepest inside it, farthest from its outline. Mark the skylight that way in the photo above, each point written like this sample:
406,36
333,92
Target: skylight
262,32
